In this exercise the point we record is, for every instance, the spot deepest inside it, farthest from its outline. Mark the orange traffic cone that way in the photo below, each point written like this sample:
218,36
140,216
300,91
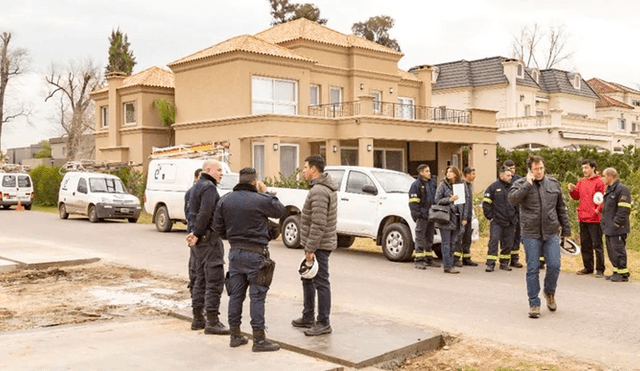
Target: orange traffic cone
19,208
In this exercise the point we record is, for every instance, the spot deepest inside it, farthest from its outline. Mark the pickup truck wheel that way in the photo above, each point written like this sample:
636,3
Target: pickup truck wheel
345,241
93,214
397,244
291,232
163,223
63,211
27,207
132,220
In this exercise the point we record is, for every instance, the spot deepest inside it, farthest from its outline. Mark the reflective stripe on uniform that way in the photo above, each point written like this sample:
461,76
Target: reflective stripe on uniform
487,200
542,258
623,271
421,254
467,255
615,270
492,257
624,204
457,253
505,257
515,252
414,199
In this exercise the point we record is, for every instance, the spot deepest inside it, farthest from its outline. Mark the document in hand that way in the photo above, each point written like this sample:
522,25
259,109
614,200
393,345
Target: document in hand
458,190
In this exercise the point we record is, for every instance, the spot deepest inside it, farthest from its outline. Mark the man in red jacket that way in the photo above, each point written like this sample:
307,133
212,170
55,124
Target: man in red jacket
589,217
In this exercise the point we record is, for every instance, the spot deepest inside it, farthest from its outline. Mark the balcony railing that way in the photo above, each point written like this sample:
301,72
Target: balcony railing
552,121
524,122
396,110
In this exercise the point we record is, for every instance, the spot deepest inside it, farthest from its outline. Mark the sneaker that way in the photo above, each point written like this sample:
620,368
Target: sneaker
301,322
583,272
516,264
534,312
505,267
457,263
489,268
421,265
318,329
551,302
451,271
599,274
469,262
619,278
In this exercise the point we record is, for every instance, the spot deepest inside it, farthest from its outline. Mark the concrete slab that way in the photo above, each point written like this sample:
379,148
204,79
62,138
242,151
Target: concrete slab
7,266
39,256
143,344
356,341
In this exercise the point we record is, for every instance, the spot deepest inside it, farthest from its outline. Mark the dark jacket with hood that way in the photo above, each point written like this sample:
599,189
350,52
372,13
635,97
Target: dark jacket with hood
421,195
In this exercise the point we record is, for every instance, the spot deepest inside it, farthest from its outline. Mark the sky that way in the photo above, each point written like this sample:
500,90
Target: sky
602,34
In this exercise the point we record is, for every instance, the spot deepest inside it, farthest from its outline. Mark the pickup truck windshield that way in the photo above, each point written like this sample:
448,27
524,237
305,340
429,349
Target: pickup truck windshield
106,185
393,182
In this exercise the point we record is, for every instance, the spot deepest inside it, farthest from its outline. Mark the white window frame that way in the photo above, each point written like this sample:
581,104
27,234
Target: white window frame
377,100
274,102
622,124
124,113
384,151
104,116
315,87
406,106
520,71
339,90
296,158
259,169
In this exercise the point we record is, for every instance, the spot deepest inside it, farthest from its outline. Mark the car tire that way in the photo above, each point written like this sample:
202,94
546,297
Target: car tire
291,232
63,211
93,214
163,222
345,240
397,243
27,207
6,207
132,220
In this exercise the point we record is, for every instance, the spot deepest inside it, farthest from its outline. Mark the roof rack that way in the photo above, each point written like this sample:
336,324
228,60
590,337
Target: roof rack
14,168
92,165
218,150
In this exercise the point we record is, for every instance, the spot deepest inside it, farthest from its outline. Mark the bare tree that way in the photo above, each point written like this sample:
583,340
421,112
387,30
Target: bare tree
13,62
529,47
72,84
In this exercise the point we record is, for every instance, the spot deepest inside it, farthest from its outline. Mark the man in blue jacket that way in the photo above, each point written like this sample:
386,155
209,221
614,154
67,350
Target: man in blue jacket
242,217
199,324
421,197
615,224
503,217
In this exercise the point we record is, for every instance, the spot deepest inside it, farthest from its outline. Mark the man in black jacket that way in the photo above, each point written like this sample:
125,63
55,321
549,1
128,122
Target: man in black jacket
462,254
421,197
242,217
199,325
615,223
543,215
208,249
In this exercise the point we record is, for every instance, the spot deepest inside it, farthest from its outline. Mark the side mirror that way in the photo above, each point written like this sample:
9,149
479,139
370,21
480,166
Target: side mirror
369,189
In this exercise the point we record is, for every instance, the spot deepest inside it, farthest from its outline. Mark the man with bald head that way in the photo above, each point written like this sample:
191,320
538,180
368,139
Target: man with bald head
208,250
616,209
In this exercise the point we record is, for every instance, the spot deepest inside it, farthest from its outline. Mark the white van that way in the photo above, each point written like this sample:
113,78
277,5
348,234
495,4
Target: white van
98,196
168,180
16,187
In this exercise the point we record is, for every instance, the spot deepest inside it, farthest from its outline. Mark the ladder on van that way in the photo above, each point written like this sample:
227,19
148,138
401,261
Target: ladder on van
93,165
215,150
14,168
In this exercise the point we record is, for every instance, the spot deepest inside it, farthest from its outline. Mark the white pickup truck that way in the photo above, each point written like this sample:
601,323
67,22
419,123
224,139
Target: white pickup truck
372,203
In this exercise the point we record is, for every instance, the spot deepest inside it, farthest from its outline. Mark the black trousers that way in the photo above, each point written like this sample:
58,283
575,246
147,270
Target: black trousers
590,242
617,251
504,236
209,280
463,245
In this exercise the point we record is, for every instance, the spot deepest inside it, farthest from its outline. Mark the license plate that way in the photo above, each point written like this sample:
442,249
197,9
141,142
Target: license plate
125,211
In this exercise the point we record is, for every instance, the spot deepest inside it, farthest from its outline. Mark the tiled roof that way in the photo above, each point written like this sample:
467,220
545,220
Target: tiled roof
601,86
557,81
605,101
245,43
407,75
308,30
481,72
152,76
625,88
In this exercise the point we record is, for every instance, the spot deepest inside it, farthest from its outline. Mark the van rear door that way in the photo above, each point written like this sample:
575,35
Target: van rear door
9,188
25,188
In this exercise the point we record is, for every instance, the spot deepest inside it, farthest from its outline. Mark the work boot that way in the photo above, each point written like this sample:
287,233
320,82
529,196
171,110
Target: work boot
515,263
551,302
469,262
421,264
261,344
318,329
198,319
583,272
534,312
489,268
451,271
457,263
237,338
505,267
599,274
432,263
301,322
619,278
214,326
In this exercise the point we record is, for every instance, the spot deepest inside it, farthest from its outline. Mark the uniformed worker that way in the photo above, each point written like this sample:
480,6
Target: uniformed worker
615,224
199,325
502,214
462,254
242,217
421,197
515,251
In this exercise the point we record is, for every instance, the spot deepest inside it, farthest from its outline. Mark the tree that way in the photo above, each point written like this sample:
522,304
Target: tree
167,112
377,29
282,11
13,62
45,150
529,47
121,59
72,84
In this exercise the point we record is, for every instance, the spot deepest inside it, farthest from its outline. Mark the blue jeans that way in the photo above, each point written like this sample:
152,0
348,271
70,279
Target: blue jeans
449,238
320,284
243,267
533,248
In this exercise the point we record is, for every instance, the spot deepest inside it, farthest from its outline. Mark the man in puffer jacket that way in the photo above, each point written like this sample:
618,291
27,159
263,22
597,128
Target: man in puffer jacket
543,216
318,237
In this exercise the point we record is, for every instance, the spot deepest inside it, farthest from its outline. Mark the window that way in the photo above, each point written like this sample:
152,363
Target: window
635,103
274,96
336,176
406,108
356,181
314,95
335,95
389,159
520,71
377,98
634,127
349,156
104,116
539,113
534,75
24,181
527,110
9,181
82,185
130,113
258,159
622,124
577,82
288,159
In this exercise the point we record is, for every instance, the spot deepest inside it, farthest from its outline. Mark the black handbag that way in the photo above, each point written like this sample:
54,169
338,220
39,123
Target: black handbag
439,214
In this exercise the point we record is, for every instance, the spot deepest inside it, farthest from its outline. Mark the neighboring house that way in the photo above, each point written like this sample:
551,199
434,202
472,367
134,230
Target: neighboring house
298,89
620,106
19,155
86,149
535,108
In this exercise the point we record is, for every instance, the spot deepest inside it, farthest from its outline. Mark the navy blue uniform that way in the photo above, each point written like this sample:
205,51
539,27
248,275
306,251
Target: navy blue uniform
503,217
615,225
421,197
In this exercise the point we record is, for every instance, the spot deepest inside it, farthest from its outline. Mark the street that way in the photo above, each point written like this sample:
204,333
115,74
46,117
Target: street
596,320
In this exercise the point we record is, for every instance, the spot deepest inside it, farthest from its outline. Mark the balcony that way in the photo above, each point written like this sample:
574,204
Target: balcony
393,110
553,121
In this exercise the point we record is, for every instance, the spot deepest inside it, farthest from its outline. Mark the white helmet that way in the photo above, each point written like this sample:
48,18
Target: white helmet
598,198
570,248
307,271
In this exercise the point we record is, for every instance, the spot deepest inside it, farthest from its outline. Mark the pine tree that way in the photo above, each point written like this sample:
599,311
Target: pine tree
121,59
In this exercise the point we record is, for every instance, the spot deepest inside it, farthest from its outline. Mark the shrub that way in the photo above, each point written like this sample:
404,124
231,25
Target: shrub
292,181
134,180
46,184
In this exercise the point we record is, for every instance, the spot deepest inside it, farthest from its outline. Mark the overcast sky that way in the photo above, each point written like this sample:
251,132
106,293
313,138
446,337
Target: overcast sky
603,34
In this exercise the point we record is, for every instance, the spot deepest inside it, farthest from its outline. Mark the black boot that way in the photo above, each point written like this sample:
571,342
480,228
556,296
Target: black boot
432,263
214,326
261,344
198,319
237,338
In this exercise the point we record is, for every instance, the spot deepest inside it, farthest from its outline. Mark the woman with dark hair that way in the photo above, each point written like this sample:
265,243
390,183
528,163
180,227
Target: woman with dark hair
449,231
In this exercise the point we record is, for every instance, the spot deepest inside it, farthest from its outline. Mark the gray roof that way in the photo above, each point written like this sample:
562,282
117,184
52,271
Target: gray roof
556,81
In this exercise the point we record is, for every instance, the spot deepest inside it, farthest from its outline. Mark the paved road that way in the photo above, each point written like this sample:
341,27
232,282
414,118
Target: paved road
596,320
